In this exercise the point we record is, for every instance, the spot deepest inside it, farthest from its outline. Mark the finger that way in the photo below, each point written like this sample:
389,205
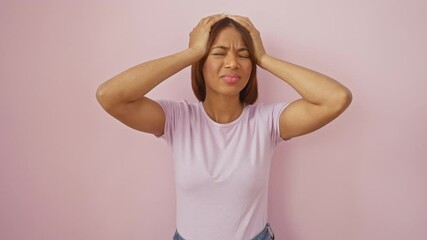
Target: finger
215,18
210,20
244,21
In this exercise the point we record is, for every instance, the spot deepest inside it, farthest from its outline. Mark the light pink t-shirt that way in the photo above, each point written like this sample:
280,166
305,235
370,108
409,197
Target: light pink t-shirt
221,170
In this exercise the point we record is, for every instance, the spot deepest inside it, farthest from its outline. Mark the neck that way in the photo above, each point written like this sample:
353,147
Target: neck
223,110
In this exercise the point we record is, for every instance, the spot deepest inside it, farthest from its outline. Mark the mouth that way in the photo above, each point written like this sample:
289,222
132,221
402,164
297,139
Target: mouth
230,78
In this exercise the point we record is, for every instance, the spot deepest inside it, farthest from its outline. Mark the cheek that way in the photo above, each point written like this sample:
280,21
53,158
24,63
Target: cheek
249,65
247,68
208,68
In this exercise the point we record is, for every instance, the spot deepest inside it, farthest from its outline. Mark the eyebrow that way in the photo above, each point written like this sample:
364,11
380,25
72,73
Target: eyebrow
226,48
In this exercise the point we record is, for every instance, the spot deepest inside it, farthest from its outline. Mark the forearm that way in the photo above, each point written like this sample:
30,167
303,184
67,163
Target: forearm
134,83
314,87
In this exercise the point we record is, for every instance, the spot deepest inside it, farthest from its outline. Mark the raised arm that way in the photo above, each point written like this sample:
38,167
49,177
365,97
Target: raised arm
123,96
323,98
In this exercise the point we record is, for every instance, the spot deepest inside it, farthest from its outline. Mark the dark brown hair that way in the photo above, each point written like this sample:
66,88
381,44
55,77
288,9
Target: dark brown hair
249,93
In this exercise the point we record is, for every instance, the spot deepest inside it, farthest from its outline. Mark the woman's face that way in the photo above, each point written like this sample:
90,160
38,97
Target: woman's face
228,66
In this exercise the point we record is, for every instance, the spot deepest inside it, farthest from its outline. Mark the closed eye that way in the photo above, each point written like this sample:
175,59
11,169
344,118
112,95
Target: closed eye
218,54
244,53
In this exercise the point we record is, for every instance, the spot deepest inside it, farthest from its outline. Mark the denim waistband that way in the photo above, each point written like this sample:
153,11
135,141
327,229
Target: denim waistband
265,234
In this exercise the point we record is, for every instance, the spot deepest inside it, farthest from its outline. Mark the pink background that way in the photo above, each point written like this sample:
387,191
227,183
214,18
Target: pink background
68,171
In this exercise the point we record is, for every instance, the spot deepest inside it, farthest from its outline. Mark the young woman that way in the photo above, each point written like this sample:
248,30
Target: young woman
222,145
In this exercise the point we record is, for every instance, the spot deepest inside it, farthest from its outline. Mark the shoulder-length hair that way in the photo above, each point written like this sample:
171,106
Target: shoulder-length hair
249,93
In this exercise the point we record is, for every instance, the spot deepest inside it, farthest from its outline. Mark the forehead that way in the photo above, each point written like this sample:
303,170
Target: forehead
229,36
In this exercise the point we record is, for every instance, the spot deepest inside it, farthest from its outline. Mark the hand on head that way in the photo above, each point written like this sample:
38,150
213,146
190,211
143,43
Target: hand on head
256,36
200,34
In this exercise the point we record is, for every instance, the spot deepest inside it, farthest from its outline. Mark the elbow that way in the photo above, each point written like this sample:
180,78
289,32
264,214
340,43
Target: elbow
338,101
100,94
347,97
343,99
102,97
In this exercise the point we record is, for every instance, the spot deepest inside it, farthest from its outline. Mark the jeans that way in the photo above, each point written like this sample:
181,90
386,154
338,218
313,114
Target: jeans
265,234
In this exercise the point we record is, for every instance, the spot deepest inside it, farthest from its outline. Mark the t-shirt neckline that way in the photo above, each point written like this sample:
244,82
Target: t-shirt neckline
217,124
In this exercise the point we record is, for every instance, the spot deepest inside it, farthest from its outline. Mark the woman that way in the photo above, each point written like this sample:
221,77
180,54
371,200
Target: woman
222,146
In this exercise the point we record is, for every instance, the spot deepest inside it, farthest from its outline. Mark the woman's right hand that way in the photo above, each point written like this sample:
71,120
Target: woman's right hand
200,34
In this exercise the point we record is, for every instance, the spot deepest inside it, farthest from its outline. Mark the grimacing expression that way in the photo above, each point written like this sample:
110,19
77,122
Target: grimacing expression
228,66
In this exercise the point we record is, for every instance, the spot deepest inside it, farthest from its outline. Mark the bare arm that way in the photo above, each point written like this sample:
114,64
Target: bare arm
323,98
123,96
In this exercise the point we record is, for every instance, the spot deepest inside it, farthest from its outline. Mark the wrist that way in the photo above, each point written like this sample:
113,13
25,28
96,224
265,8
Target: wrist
195,53
262,61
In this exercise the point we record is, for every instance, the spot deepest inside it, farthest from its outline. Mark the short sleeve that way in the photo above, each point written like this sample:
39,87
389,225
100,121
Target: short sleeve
174,112
169,108
270,113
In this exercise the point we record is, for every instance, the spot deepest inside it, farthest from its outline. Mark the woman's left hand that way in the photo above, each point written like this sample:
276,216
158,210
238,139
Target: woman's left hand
256,36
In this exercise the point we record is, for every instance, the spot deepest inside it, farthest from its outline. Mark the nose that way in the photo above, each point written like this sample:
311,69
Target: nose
231,61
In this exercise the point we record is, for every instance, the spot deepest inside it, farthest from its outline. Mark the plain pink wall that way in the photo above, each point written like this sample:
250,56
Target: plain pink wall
68,171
